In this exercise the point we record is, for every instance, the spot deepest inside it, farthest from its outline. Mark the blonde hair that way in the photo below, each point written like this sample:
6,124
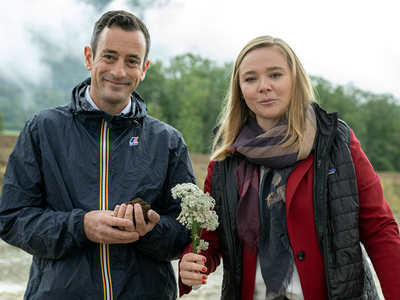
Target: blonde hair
235,112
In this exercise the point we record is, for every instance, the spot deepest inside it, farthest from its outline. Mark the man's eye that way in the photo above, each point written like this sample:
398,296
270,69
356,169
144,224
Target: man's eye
108,57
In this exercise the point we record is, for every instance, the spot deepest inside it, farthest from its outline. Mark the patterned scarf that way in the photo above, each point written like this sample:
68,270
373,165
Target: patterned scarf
269,232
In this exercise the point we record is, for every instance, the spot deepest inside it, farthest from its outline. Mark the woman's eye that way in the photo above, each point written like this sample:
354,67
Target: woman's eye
250,79
276,75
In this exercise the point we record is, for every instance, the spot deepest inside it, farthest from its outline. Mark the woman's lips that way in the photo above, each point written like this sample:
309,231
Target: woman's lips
267,101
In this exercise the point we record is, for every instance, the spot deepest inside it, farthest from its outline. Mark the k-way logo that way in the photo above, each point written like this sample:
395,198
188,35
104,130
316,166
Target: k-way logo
134,141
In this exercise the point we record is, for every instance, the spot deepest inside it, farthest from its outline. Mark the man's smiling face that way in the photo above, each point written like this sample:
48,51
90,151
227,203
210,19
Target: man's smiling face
117,68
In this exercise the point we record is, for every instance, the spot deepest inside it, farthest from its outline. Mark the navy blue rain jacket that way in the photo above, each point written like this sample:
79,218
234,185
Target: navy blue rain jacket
70,160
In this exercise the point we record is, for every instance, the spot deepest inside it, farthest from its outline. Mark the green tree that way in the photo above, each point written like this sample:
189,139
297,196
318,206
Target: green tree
342,99
187,95
374,118
18,104
382,141
12,104
153,90
188,91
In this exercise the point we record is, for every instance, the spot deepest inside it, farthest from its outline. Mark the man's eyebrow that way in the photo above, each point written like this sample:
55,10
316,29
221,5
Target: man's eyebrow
136,56
109,51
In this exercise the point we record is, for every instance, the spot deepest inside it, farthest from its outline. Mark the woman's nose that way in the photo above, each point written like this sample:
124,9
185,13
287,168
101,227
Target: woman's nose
265,86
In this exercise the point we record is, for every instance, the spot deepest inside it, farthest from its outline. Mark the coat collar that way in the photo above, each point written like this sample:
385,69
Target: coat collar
295,178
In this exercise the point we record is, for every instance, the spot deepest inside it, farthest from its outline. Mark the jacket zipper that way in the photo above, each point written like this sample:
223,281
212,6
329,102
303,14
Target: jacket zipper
104,248
325,183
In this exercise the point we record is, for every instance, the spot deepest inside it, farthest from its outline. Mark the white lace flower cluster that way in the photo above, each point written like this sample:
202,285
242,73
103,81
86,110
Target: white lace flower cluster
197,212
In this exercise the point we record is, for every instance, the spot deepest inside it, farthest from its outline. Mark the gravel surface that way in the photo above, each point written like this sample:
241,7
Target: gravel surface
14,270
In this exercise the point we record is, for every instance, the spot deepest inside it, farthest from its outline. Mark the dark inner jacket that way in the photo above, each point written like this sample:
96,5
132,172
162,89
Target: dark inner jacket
72,159
331,149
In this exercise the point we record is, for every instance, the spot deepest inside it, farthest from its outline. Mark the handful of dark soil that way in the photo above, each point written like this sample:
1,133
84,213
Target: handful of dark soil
145,209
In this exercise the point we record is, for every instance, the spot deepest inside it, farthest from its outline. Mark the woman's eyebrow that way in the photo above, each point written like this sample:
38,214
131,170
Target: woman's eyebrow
270,69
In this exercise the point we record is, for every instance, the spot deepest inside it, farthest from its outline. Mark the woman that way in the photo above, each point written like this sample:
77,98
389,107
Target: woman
295,194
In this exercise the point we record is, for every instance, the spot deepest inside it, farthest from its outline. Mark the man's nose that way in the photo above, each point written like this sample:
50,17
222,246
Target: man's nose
118,69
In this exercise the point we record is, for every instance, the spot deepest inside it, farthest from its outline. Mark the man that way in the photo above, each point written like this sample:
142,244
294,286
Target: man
73,164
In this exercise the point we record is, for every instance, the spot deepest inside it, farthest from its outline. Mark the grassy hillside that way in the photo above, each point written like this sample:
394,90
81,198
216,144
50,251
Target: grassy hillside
390,180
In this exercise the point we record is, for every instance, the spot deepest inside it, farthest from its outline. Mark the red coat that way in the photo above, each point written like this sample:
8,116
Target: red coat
379,231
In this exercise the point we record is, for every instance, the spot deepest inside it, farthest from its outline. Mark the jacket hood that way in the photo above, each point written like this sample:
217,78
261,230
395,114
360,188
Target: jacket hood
80,105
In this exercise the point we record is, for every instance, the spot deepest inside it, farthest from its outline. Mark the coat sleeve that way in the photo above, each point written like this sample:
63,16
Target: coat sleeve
379,231
26,221
213,253
169,237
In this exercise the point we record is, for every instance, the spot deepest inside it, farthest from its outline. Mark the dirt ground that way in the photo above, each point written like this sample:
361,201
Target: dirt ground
200,163
7,141
6,145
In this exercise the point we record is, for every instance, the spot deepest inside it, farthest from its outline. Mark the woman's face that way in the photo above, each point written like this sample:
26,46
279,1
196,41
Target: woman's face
265,80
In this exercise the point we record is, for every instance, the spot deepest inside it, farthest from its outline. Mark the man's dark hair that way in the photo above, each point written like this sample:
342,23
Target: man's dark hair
125,21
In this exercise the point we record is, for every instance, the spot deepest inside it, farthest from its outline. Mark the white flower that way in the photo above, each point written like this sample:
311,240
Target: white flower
197,212
202,246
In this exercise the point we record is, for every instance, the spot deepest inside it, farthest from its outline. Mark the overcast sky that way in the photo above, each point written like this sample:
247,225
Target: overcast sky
343,40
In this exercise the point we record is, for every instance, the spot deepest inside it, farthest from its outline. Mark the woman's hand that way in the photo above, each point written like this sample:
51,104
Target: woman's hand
192,269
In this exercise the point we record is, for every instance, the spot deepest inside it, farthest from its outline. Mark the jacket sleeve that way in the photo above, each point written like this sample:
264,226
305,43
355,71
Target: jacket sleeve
213,253
26,221
379,231
169,237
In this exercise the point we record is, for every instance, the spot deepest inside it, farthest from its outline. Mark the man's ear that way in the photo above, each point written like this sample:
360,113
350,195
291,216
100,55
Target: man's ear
146,65
88,58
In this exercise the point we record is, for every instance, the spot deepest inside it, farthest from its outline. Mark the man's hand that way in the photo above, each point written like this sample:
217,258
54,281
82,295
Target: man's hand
100,227
126,212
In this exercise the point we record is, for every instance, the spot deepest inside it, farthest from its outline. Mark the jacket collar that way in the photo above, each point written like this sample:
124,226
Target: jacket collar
82,108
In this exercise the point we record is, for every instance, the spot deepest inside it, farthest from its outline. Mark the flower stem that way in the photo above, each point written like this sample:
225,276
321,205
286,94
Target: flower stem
195,236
